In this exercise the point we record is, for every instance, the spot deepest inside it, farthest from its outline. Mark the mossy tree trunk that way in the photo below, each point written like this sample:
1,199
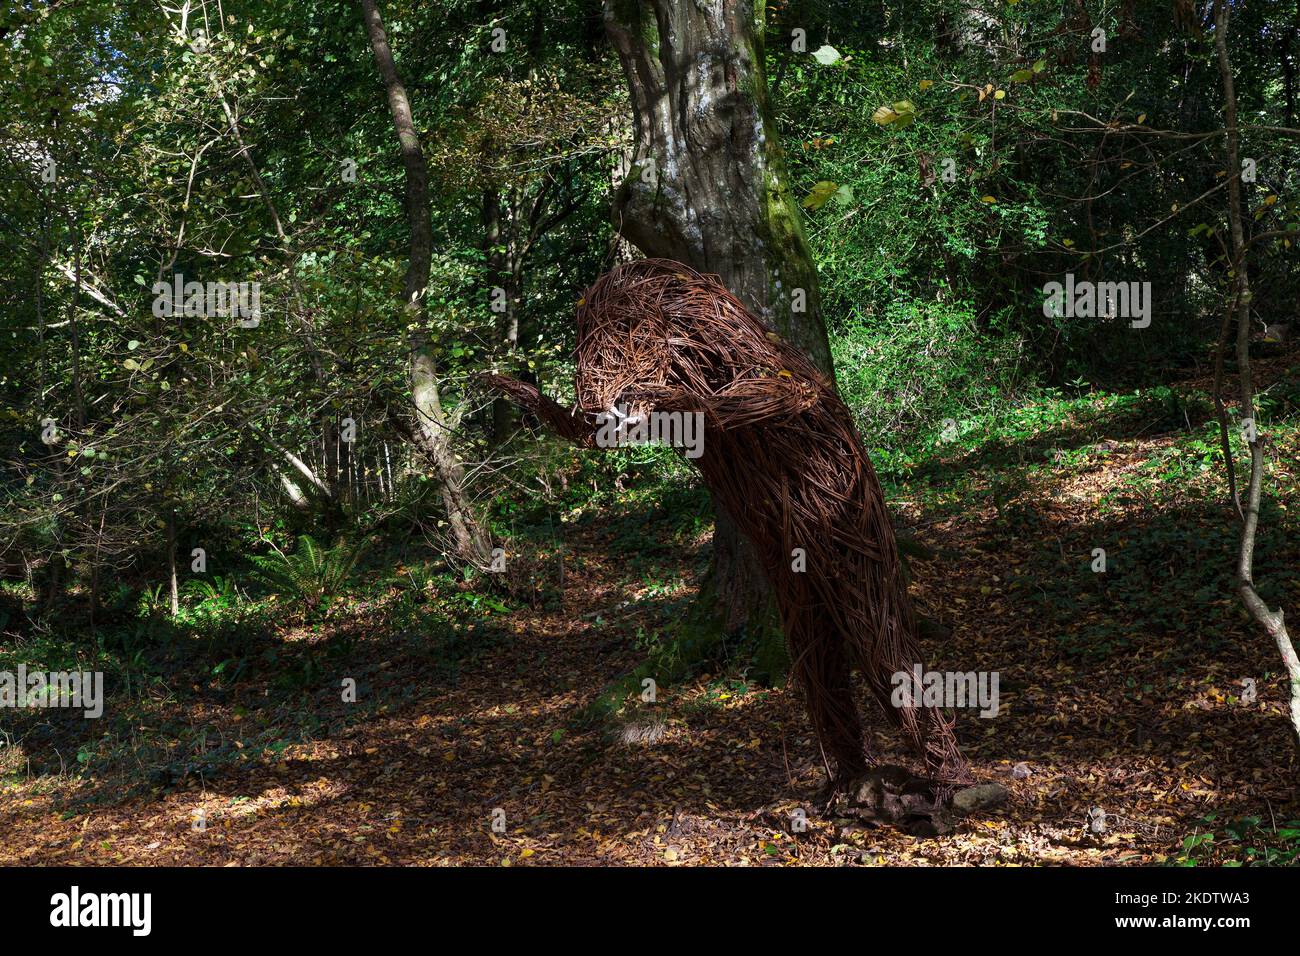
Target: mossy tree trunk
708,186
433,426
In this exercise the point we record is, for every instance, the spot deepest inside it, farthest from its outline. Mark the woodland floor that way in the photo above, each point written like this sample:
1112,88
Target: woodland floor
1136,712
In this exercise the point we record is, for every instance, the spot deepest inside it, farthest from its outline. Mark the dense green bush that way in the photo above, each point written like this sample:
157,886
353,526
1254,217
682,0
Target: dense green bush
918,373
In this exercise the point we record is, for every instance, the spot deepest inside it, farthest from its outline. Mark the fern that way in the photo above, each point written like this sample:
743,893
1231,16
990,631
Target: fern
217,588
312,575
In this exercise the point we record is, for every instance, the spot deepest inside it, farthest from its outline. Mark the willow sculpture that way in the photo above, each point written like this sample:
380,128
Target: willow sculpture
781,455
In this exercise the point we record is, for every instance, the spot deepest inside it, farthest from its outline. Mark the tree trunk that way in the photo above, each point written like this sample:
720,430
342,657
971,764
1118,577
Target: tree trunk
1272,621
432,432
708,186
173,589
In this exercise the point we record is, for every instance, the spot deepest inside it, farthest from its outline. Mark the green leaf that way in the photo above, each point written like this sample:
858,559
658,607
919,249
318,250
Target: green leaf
826,55
820,194
900,114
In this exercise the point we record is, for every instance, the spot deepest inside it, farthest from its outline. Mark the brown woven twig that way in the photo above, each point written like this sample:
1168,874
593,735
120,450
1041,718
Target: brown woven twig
782,456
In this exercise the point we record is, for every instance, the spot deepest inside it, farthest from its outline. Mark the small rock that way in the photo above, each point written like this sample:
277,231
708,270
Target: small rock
1021,770
981,797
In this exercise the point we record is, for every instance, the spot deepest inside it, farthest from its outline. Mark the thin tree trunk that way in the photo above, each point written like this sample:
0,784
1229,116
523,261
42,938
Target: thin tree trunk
1272,621
432,432
79,404
164,268
40,312
388,461
296,496
173,589
299,465
331,444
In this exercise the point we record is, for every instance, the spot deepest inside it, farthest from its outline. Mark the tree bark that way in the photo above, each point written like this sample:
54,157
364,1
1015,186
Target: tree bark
432,432
708,186
1271,620
173,589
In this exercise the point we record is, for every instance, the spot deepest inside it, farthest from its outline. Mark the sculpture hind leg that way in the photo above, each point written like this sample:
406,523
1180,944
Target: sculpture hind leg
822,669
887,649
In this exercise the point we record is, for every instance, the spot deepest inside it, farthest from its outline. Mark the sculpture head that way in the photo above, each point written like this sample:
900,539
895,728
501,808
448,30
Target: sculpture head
654,325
